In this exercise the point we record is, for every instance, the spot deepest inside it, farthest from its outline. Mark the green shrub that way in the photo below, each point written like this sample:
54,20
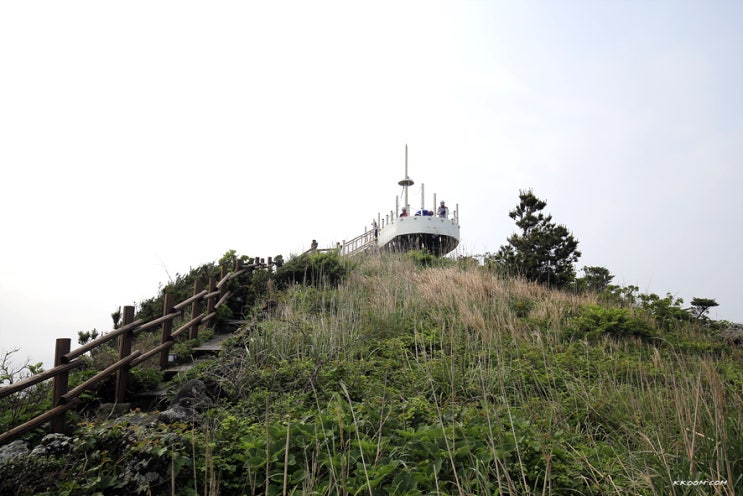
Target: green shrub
144,379
595,321
423,258
312,269
521,307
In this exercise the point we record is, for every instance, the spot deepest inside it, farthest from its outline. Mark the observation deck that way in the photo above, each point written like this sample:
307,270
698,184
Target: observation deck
436,232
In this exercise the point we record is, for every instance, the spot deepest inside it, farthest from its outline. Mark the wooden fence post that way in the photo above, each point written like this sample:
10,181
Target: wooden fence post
125,349
198,286
61,381
210,301
168,302
222,274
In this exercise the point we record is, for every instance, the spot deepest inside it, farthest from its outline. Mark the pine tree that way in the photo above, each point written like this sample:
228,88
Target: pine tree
594,279
543,252
700,306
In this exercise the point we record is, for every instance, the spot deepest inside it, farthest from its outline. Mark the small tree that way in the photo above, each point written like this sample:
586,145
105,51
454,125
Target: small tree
543,252
700,306
24,405
84,337
595,279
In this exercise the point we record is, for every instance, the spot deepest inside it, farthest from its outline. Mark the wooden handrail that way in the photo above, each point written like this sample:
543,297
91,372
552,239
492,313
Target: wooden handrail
35,379
154,351
187,325
100,340
211,295
223,281
66,360
208,317
44,417
180,306
223,299
154,323
99,376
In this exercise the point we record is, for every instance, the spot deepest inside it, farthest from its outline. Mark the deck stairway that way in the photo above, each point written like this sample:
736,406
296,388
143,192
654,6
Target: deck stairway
364,242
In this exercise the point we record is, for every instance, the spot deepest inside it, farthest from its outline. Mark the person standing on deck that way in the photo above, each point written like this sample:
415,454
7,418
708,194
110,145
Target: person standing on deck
443,211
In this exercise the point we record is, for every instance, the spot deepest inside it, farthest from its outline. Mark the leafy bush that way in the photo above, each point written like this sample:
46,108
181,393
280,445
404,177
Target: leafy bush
312,269
377,386
144,379
595,321
117,457
521,307
423,258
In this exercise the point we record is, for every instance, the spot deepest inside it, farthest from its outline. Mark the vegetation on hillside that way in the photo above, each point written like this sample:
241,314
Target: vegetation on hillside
543,252
406,374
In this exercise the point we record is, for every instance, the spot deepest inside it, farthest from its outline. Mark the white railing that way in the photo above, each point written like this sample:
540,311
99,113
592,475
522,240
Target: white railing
359,243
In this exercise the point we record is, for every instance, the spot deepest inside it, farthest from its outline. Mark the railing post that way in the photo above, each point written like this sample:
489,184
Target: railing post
210,300
125,349
222,274
198,285
168,302
61,381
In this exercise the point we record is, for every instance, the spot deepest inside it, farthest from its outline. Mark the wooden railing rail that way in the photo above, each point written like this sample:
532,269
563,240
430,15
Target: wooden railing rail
41,419
99,341
65,360
115,367
35,379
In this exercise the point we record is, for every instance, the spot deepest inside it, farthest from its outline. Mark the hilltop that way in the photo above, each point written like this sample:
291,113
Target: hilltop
407,374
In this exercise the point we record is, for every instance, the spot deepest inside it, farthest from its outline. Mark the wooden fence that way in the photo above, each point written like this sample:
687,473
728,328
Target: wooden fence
65,360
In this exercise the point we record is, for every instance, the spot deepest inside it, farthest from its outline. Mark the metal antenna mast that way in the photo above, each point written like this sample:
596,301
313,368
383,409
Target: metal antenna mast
407,181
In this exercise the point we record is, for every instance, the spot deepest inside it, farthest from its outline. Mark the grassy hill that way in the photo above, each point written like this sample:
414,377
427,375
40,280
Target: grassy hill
411,375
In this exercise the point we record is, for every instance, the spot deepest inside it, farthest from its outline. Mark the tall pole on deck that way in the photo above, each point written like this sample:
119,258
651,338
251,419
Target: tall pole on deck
406,182
406,177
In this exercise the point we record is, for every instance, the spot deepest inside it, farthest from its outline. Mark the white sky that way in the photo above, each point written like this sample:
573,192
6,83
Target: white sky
139,139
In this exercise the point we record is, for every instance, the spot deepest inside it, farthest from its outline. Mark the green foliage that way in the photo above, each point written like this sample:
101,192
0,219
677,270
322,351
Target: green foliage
700,306
145,379
312,269
522,307
595,279
666,312
410,379
84,337
544,252
110,458
594,322
12,372
22,406
116,317
422,258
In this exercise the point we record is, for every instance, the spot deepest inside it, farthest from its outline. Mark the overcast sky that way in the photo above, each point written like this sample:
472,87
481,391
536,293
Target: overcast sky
139,139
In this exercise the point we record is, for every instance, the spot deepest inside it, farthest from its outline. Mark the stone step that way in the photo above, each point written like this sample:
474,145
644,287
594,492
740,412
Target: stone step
171,372
211,347
208,349
153,400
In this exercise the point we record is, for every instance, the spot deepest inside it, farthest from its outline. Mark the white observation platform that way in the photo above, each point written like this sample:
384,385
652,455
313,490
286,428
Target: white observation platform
435,231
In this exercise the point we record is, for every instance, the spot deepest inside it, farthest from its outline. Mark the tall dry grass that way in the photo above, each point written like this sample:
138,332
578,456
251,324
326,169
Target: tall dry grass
639,415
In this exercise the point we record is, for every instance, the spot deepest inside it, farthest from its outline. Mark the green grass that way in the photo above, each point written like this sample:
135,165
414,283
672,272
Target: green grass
413,379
